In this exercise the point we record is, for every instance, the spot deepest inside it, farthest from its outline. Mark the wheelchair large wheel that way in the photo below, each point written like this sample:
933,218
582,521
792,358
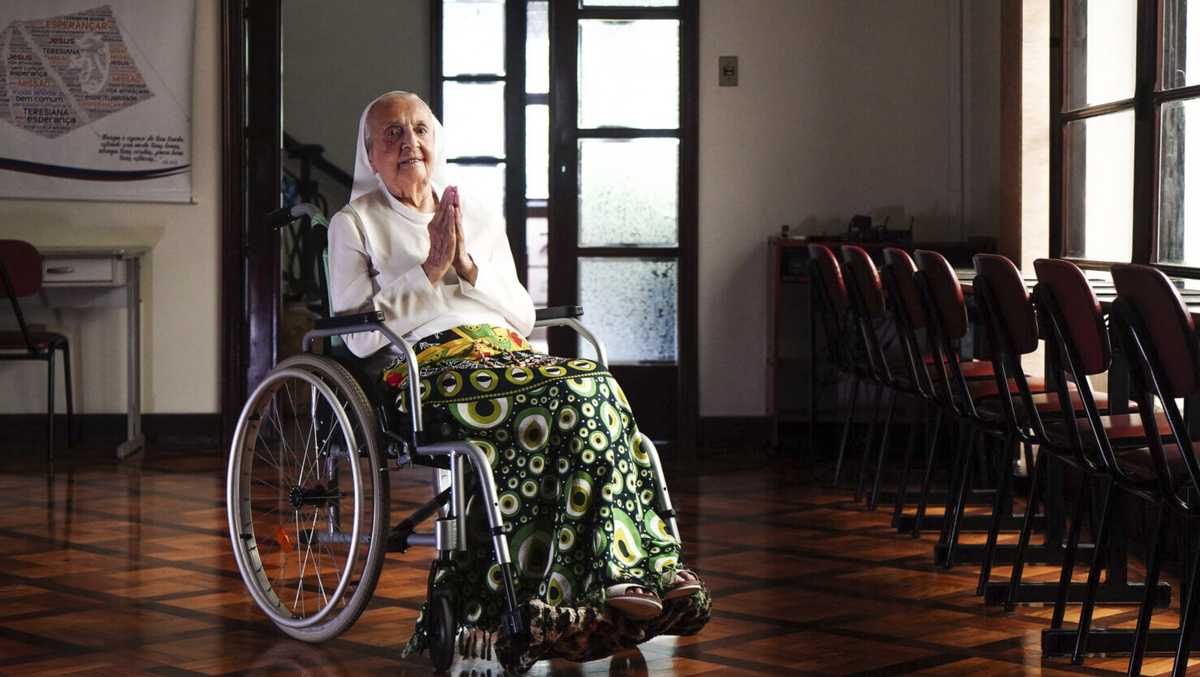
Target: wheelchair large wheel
308,498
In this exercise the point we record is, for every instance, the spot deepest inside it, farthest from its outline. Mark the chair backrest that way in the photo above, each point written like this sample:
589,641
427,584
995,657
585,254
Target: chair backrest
1009,300
864,280
1173,332
23,265
1079,310
908,299
826,271
945,293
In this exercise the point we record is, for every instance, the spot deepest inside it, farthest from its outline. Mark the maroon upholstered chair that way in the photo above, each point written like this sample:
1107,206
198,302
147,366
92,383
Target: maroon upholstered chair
1081,348
21,276
842,342
1159,335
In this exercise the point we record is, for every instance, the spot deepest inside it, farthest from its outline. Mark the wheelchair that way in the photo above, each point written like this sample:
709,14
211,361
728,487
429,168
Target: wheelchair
308,486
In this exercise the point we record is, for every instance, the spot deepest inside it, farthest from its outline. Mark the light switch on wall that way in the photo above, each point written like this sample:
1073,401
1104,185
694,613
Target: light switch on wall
727,71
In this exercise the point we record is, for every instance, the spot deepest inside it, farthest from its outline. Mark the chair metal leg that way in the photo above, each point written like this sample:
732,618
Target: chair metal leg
66,351
930,454
998,504
964,441
1152,568
837,471
1082,502
870,442
955,518
902,488
885,440
1014,581
1187,613
1089,601
50,406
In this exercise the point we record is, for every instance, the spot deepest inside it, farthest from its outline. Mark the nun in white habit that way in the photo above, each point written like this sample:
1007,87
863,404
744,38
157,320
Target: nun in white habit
596,568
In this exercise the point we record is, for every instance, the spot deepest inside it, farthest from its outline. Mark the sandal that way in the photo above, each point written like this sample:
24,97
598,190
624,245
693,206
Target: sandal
635,601
684,584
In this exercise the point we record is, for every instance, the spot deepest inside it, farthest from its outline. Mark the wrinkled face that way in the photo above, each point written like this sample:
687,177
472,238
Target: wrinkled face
401,144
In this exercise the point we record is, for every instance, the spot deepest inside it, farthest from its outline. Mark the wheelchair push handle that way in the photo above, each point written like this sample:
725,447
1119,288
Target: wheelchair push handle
285,215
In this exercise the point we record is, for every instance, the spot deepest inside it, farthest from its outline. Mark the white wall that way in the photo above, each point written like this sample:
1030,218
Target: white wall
337,57
181,323
842,108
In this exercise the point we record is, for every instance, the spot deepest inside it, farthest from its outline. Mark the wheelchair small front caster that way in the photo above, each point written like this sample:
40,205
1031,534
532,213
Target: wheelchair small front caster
441,632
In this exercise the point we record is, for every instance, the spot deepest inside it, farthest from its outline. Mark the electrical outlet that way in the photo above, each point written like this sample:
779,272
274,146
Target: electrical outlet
727,71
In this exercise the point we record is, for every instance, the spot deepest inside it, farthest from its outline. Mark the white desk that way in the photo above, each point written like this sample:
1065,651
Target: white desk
103,277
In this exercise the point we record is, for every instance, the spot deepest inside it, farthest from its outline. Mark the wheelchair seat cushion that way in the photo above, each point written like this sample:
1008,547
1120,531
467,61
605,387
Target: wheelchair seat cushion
575,483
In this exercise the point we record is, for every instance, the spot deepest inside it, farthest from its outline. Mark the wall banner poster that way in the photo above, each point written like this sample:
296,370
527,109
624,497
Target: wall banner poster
95,99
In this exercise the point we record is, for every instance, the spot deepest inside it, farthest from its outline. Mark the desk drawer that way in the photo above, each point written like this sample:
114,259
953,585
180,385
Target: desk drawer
81,270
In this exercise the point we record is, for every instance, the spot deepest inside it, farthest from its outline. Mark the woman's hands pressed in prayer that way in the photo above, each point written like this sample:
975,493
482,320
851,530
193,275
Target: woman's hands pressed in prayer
447,244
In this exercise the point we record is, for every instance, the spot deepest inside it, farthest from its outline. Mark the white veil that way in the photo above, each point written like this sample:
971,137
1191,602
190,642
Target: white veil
365,179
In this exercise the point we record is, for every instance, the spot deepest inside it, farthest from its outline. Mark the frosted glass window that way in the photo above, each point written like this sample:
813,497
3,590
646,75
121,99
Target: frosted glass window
537,248
1179,183
1098,158
473,115
484,183
472,37
1101,58
628,192
632,304
537,152
629,73
1180,43
537,48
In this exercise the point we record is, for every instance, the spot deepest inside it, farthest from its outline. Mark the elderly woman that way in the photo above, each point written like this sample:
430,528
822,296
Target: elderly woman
597,569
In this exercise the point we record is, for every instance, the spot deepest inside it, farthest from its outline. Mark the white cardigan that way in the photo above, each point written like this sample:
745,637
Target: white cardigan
376,247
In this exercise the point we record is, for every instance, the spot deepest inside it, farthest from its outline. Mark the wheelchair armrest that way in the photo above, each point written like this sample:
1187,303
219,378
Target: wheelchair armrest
557,313
356,323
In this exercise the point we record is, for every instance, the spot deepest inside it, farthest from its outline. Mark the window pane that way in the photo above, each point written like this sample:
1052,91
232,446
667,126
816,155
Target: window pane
1100,51
537,249
537,152
1098,187
1179,184
1180,44
629,74
537,48
631,303
628,3
473,115
472,37
628,192
484,183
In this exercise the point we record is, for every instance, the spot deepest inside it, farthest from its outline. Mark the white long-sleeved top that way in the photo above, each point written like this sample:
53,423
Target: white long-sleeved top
376,247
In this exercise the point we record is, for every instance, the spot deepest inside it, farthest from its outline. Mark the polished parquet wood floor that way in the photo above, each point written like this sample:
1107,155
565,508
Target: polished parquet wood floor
113,569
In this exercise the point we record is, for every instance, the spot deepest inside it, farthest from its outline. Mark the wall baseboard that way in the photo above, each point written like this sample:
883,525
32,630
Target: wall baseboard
200,431
718,432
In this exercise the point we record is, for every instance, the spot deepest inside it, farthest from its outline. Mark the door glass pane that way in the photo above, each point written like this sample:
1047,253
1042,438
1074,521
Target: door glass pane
1098,187
537,152
631,303
628,192
537,249
1180,43
537,48
473,115
1179,184
472,37
628,3
484,183
629,74
1100,55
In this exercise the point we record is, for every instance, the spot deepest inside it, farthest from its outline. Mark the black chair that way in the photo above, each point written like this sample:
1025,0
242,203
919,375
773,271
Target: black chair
21,276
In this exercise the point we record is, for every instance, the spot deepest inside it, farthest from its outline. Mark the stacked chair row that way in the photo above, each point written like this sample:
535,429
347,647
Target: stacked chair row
899,334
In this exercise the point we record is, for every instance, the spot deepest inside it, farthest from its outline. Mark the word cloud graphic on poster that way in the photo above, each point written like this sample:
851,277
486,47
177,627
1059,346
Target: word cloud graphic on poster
95,100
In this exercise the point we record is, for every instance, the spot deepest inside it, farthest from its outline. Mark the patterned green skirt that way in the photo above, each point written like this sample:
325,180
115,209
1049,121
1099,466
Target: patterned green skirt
575,485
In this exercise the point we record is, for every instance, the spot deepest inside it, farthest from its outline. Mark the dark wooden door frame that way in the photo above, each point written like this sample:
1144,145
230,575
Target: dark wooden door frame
564,268
251,138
